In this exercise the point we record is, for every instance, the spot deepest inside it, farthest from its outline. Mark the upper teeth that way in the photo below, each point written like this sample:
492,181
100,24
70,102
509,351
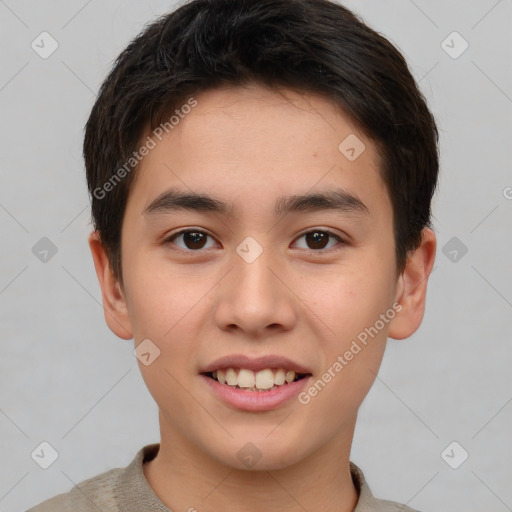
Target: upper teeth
247,379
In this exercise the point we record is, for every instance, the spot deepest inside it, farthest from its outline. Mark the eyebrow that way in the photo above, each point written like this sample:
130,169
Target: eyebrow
338,200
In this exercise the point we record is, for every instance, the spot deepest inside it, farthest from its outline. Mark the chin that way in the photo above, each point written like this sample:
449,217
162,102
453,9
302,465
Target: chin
259,453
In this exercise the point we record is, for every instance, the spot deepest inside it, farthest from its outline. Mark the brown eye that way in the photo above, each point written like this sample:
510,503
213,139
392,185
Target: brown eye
318,239
194,239
191,240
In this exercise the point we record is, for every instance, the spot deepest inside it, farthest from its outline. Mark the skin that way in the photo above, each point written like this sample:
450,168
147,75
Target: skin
248,146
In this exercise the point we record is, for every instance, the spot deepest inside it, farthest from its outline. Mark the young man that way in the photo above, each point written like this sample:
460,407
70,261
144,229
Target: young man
261,176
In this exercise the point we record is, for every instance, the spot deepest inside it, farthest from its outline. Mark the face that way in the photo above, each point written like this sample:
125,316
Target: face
286,263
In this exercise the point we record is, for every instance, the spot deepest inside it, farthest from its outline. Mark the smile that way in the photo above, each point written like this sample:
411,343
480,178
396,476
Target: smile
249,380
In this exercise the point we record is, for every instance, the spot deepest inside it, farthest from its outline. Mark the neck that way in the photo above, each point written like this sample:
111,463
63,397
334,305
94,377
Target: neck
186,479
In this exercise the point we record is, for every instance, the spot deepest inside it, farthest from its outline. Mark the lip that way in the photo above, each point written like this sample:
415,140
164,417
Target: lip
255,364
255,400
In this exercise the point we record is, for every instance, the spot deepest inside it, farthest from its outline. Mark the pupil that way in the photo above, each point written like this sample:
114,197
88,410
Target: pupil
315,239
194,240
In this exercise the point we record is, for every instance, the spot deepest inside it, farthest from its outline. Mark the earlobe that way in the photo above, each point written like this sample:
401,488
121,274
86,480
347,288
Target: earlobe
411,288
114,303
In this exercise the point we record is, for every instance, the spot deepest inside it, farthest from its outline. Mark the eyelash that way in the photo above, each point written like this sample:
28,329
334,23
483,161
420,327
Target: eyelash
171,238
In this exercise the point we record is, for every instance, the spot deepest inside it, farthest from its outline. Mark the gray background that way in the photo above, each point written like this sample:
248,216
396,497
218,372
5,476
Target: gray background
66,379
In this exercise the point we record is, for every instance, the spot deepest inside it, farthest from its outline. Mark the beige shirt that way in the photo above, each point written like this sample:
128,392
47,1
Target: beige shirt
127,490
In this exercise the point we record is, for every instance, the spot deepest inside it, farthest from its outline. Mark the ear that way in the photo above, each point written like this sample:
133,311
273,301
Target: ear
114,303
411,288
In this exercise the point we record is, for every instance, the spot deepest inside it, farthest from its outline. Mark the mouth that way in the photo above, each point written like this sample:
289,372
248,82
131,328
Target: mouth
263,380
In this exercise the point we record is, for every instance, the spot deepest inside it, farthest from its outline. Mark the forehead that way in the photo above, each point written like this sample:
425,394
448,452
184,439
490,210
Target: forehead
273,143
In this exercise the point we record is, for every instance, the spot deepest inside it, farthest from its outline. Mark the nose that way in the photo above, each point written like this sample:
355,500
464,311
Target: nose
255,298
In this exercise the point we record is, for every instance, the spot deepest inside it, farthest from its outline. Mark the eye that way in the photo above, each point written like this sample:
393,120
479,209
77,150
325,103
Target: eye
318,239
192,240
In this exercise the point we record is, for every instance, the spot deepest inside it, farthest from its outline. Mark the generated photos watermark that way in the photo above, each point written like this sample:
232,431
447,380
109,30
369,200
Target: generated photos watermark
356,347
149,144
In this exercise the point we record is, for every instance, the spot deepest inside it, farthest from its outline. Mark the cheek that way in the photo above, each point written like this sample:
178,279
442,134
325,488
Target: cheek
347,302
352,306
162,303
166,383
168,309
352,349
